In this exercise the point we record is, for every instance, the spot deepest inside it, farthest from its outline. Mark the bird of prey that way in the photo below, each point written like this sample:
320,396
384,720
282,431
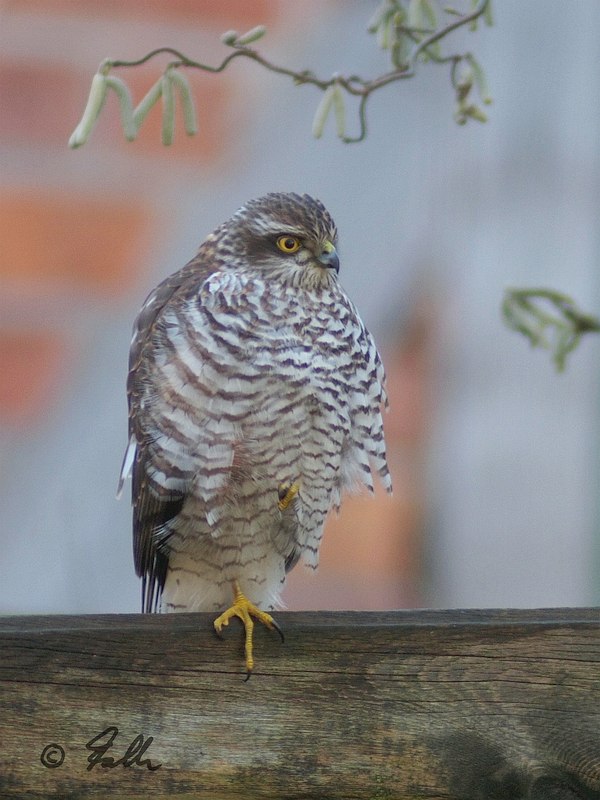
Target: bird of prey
255,397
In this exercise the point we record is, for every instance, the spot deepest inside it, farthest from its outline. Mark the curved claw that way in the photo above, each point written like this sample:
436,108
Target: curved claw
246,611
218,633
278,629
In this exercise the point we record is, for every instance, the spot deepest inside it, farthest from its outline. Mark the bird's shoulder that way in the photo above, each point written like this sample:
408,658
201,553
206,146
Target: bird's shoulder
197,270
225,289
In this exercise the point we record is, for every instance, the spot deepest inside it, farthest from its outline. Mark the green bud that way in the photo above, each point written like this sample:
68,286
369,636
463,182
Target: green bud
383,33
429,14
190,122
95,102
421,16
251,36
323,110
480,79
415,18
339,110
400,52
229,37
168,111
380,15
487,14
474,112
464,86
126,106
149,100
473,23
105,66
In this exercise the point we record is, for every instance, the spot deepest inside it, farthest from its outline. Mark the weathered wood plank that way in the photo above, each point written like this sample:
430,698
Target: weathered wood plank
456,704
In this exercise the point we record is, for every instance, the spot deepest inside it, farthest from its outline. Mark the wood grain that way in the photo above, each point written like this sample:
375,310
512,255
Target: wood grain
471,705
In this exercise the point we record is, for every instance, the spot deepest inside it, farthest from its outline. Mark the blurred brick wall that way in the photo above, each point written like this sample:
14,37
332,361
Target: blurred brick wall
77,229
81,242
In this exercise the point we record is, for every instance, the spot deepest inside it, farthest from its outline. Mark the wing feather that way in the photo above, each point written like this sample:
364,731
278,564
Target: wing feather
154,505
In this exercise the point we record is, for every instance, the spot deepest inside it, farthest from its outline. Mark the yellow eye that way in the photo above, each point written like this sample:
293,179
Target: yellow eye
288,244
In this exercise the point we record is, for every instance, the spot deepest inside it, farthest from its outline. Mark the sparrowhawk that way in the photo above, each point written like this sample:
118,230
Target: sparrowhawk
255,395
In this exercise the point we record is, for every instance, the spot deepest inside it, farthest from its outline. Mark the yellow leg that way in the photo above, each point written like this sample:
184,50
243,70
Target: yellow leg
245,610
287,491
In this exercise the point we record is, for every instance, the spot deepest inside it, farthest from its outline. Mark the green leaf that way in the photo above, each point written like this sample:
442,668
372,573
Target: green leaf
558,329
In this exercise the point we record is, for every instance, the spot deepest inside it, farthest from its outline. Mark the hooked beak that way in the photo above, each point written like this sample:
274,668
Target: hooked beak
329,257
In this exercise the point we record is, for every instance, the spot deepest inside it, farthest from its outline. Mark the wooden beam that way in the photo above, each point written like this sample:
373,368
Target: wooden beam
472,705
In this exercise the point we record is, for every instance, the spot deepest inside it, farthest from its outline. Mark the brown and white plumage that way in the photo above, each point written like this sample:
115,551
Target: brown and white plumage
250,372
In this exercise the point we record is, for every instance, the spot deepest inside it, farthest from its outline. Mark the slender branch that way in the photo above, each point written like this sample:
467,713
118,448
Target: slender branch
247,52
354,85
467,19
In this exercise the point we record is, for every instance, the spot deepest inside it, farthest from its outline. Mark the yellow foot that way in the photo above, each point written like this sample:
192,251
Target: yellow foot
245,610
287,491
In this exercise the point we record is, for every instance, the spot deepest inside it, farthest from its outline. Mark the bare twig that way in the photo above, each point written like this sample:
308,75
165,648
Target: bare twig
392,15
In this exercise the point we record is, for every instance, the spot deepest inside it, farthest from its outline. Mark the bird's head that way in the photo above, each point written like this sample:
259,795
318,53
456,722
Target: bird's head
287,237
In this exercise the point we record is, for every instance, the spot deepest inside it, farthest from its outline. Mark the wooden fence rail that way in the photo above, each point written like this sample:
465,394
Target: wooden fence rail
464,705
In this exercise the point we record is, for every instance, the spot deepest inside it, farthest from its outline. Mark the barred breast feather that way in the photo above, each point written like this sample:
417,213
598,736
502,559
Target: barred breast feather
240,384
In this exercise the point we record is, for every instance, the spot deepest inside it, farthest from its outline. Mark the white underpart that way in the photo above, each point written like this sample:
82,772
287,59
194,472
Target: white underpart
259,386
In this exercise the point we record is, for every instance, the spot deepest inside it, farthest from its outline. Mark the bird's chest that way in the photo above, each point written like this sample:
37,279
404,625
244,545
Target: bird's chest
330,340
265,359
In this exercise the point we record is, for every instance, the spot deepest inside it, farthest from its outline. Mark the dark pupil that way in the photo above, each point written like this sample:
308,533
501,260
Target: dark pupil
289,244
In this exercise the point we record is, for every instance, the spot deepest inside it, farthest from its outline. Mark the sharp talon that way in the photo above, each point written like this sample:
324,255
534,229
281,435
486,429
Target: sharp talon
218,634
248,675
278,629
246,611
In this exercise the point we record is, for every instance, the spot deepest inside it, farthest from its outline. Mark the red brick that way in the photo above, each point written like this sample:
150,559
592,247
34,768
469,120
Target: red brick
85,242
36,100
32,365
367,557
239,14
410,368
